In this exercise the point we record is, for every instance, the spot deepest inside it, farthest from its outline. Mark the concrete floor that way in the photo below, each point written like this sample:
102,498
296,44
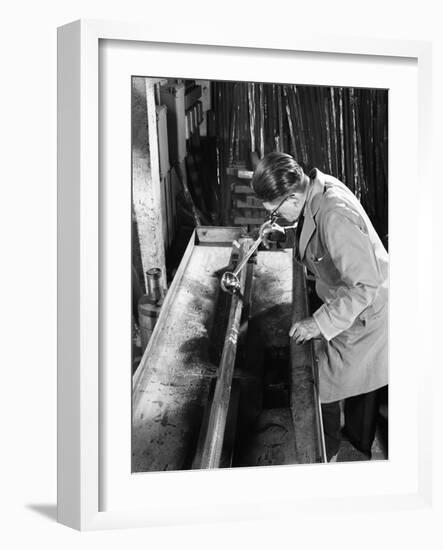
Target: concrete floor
348,453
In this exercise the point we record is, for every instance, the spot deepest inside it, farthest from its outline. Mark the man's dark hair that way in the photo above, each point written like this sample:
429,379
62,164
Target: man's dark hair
276,175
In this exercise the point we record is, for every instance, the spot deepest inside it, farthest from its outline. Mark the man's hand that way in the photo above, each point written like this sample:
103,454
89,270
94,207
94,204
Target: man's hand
266,233
304,330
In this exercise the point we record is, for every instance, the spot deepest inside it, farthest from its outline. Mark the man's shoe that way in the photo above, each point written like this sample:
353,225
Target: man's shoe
346,437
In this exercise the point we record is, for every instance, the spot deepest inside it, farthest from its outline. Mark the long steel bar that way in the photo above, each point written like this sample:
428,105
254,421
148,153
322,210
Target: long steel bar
214,437
251,251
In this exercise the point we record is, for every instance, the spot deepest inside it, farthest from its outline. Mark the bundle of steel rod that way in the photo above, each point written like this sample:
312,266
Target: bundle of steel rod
341,131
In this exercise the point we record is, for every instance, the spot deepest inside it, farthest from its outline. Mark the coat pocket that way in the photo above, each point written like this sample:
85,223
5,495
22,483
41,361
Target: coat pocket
323,267
373,312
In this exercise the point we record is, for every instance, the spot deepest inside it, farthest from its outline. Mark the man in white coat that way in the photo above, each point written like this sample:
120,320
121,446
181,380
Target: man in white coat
337,242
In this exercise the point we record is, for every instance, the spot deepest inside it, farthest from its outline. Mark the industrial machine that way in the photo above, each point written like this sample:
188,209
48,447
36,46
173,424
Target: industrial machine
220,384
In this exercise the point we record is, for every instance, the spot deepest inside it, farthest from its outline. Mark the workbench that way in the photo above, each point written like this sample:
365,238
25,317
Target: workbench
269,422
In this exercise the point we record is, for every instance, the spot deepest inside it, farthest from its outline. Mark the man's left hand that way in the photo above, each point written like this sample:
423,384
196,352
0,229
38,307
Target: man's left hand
304,330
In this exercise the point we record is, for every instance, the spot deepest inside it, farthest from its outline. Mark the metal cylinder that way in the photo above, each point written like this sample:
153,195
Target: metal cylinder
150,304
153,281
148,312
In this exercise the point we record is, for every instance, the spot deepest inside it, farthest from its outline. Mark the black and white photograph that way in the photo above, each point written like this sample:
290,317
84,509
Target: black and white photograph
259,274
228,217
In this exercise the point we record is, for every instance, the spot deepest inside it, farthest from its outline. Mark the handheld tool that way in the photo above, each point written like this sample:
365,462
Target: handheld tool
230,281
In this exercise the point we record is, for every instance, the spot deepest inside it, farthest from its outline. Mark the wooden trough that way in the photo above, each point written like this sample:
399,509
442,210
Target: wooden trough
204,394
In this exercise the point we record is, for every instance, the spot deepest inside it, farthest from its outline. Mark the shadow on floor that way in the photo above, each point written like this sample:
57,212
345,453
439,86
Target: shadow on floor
48,511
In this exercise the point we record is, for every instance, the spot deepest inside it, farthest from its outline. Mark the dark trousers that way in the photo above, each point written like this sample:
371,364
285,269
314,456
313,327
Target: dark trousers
361,415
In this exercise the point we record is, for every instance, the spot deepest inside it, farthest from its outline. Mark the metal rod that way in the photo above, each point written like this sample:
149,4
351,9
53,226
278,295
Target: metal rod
213,443
253,248
230,281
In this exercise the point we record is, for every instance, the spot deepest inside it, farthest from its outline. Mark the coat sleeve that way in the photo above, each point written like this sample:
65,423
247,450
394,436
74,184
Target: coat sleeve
346,239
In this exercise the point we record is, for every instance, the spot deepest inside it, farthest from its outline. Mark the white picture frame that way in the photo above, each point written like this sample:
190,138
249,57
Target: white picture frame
82,399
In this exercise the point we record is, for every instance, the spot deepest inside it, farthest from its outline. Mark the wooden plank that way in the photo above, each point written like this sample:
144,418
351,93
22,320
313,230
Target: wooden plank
162,136
180,171
218,235
245,174
146,183
170,209
173,96
248,204
253,200
305,404
192,95
164,211
139,380
242,189
250,220
172,383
